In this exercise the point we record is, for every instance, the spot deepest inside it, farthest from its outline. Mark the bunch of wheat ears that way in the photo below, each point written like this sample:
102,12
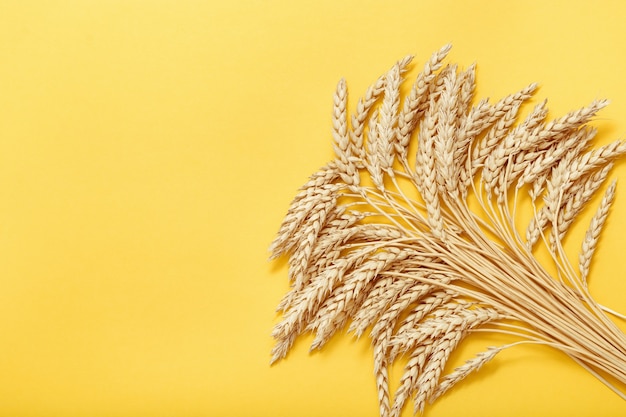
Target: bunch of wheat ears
411,232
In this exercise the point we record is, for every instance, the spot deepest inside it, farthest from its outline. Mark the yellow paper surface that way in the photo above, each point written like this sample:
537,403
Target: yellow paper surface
149,150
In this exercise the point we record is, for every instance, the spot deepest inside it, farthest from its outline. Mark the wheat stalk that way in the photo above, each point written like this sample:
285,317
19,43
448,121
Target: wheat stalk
425,272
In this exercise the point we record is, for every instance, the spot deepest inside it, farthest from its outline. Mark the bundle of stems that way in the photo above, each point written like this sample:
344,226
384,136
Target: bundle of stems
411,232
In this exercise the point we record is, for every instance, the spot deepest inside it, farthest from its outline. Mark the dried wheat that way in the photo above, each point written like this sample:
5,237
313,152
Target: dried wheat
424,272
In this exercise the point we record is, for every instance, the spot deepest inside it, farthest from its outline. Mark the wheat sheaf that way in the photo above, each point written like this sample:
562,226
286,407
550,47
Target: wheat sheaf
411,233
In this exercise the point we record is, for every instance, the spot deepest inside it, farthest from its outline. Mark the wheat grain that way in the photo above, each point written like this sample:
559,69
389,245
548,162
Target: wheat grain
387,126
423,272
384,293
381,335
446,318
331,244
427,380
501,116
426,162
576,199
593,233
444,143
322,206
564,176
427,306
547,169
540,162
310,299
462,372
334,313
409,382
413,104
467,81
520,138
343,149
302,253
315,189
358,119
362,112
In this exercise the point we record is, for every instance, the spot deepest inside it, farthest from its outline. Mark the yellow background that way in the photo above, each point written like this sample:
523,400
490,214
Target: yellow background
149,150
